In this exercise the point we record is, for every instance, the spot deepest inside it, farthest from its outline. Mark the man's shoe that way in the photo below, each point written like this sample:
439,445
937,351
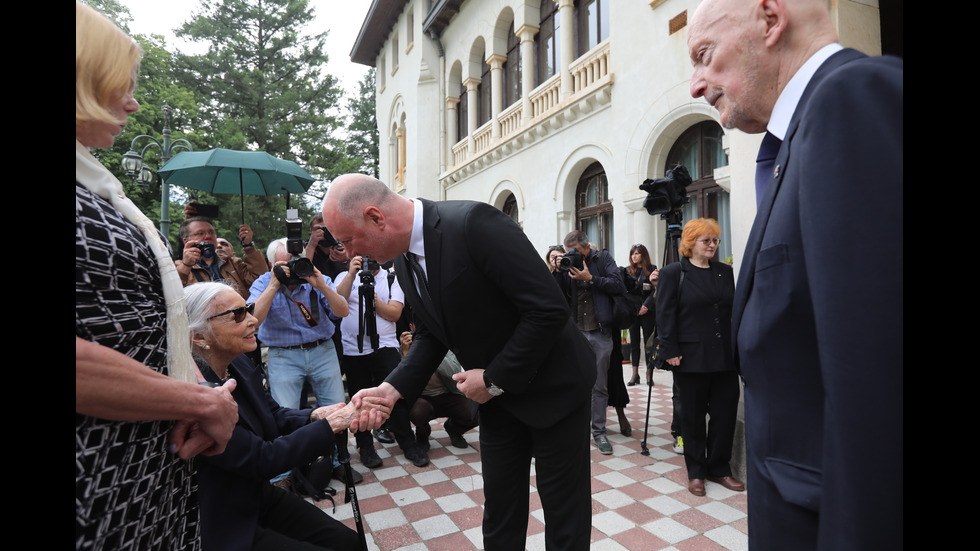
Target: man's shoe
696,486
601,442
338,474
369,457
679,445
416,456
383,435
729,482
458,441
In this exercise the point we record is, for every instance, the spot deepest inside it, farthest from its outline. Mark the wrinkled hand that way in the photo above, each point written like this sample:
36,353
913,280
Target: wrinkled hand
374,406
210,435
325,411
471,384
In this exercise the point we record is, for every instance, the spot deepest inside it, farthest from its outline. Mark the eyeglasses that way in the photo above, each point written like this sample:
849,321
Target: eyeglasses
708,241
239,312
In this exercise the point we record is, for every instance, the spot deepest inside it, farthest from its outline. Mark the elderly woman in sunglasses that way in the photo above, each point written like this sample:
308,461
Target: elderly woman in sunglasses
240,509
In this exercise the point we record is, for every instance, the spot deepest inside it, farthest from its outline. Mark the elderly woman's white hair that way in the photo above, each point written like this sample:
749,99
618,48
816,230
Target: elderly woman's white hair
200,299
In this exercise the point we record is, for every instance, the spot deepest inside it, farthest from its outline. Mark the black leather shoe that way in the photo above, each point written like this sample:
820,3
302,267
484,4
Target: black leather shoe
370,458
458,441
696,486
383,435
416,456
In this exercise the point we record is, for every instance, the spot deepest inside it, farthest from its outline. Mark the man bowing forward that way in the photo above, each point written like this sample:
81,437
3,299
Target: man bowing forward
478,288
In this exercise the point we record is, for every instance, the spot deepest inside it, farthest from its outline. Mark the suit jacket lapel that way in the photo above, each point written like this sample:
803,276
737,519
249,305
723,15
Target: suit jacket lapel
433,247
746,273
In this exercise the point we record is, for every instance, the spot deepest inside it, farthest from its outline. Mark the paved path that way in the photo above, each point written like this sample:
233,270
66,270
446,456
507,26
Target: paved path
638,502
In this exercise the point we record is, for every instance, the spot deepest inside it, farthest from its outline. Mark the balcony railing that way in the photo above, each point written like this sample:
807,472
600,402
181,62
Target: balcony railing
589,73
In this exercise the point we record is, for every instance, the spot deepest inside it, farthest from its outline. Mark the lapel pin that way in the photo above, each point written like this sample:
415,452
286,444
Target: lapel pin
775,172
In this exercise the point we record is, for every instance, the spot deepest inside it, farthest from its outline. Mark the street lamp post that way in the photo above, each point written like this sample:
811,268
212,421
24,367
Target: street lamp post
133,164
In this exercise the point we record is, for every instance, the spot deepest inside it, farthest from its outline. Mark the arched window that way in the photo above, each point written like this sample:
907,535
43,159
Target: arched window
547,47
700,150
510,207
483,96
512,68
593,211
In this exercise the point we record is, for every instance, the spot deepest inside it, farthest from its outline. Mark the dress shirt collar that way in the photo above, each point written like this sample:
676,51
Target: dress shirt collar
786,104
417,245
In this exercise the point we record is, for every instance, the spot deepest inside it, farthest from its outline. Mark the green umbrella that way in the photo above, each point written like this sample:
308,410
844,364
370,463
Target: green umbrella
236,172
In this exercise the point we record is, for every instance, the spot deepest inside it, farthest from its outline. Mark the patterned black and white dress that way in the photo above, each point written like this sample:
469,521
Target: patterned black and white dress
130,493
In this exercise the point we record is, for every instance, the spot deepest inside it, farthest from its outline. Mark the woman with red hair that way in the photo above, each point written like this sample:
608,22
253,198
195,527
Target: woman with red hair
694,313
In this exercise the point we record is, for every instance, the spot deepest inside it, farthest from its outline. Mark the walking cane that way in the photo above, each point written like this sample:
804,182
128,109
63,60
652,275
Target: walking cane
350,496
646,427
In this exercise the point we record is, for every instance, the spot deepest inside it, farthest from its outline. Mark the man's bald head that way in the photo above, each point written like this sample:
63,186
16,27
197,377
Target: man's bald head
744,53
367,217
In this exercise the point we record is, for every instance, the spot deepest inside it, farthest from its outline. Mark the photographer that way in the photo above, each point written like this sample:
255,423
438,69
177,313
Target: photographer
326,253
200,262
589,279
371,348
295,322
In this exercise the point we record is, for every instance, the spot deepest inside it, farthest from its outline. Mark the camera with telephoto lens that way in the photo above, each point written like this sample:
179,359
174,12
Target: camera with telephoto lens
668,193
573,258
206,248
299,266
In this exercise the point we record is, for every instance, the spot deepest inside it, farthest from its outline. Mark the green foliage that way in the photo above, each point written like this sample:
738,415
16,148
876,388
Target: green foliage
362,132
263,81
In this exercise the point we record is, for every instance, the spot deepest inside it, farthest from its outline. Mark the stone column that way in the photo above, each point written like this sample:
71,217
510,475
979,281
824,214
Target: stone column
472,109
566,10
527,33
496,63
452,123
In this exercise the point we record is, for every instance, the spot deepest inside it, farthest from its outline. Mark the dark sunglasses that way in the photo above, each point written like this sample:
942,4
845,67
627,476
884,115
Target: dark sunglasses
239,312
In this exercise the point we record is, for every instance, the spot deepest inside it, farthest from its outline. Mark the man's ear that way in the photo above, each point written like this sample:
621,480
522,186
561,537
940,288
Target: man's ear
373,215
777,18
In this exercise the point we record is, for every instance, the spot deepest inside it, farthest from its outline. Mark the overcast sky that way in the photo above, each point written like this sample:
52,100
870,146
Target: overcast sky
342,18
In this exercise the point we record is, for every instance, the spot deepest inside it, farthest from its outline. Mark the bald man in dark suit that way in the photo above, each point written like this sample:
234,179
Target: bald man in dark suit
817,317
478,288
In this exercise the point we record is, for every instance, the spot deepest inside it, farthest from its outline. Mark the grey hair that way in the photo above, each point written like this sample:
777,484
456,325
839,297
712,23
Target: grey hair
274,249
576,237
200,305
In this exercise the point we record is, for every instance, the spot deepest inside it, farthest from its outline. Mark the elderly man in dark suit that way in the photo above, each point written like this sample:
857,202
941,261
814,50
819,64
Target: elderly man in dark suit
477,287
817,317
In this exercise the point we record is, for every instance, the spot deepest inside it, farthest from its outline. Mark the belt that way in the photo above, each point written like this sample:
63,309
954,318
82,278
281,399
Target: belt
305,345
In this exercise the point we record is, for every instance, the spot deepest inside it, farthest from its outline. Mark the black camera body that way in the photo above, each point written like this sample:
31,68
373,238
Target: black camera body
299,266
668,193
206,248
573,258
328,238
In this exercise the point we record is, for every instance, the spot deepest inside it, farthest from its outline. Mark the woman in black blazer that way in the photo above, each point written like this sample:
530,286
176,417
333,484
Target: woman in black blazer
694,313
240,509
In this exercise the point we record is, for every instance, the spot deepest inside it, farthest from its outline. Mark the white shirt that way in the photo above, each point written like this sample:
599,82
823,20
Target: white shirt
786,104
417,244
387,337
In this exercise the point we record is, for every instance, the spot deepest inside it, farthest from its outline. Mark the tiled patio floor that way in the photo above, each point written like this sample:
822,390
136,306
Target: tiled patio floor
638,502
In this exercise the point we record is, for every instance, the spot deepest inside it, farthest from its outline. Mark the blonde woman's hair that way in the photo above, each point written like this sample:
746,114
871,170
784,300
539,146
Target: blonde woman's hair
106,62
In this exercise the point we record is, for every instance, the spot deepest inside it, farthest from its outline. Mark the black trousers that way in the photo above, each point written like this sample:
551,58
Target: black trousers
287,522
646,323
369,371
561,454
708,444
462,414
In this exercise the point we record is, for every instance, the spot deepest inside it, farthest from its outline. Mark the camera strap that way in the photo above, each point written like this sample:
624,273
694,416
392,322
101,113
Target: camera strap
312,317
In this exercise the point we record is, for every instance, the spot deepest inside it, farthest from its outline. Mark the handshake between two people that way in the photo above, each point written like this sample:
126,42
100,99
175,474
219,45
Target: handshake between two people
369,413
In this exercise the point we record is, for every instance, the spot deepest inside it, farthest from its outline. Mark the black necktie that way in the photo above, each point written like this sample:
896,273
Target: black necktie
421,282
765,164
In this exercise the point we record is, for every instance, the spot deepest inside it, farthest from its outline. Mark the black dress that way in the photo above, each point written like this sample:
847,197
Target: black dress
130,492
